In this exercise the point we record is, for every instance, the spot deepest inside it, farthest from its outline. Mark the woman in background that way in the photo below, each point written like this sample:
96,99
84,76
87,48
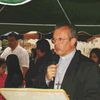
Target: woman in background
95,55
14,78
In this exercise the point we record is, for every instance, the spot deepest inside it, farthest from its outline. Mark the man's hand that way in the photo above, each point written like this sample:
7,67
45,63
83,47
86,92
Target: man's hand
51,72
24,71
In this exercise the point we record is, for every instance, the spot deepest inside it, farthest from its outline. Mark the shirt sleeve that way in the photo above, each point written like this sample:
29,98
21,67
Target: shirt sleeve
24,60
5,53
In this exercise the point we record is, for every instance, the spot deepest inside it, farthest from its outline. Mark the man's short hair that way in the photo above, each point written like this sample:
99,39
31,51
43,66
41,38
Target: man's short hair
13,34
65,24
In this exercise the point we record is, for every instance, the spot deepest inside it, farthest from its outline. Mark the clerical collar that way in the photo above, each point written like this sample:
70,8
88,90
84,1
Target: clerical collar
70,55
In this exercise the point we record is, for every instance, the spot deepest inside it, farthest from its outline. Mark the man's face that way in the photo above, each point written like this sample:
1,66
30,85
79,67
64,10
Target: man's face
12,42
39,53
62,41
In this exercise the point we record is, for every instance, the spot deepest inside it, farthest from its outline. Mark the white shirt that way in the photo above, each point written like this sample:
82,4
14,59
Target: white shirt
61,69
22,54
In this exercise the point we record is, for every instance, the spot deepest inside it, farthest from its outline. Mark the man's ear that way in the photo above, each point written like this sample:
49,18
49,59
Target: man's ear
73,41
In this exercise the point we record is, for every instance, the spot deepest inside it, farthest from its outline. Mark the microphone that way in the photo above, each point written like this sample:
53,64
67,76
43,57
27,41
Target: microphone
54,61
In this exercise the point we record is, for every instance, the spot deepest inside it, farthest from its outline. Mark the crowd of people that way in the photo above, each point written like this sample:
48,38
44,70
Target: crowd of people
63,68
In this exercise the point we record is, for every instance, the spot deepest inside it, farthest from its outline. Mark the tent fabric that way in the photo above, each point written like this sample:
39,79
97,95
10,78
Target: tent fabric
43,15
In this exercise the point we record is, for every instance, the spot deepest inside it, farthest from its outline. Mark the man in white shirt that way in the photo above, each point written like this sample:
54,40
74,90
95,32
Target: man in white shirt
15,48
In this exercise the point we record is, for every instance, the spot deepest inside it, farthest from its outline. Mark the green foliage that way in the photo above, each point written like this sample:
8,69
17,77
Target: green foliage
4,43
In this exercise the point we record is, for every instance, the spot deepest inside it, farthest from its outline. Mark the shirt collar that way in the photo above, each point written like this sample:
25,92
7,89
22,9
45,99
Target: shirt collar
15,48
68,56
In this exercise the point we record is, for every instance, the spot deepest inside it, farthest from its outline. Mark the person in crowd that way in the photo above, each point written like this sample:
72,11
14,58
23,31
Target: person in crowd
3,75
95,55
53,60
14,78
74,73
15,48
43,54
32,55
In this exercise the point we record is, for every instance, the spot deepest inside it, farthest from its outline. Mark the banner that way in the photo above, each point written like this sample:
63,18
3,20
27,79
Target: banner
14,2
